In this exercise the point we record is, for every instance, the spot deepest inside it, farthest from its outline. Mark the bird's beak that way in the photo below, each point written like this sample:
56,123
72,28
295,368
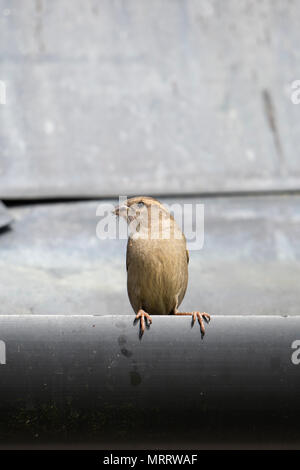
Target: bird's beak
120,210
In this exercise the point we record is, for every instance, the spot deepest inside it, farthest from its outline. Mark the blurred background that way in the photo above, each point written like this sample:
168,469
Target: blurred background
184,100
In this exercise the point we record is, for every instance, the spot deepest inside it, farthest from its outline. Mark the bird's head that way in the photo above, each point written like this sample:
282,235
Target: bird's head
146,217
139,207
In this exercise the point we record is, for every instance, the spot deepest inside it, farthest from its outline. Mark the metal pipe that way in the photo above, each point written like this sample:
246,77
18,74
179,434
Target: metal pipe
96,371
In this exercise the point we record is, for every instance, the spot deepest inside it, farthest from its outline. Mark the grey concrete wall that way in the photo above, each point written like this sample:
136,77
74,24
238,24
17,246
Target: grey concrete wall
163,96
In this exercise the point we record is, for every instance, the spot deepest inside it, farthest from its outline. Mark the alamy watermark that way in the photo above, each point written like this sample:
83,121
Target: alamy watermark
2,92
295,96
151,221
2,352
295,358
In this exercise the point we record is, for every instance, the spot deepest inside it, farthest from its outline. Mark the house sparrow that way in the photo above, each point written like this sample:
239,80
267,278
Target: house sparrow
156,261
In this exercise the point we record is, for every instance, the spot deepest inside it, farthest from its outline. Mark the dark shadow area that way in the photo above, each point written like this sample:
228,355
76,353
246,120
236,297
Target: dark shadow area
128,427
12,202
5,229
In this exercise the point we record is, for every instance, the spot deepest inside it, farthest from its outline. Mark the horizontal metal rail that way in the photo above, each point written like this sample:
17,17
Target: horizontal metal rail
91,372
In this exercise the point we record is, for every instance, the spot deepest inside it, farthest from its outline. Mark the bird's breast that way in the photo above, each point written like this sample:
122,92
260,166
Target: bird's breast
157,274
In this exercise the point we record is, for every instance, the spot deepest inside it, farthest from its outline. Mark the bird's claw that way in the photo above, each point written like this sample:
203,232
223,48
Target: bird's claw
141,315
200,317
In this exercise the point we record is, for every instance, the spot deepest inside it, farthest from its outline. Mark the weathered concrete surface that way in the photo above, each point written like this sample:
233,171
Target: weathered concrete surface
108,97
52,262
5,217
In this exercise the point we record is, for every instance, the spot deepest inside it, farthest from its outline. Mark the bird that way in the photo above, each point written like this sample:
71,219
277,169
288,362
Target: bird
157,261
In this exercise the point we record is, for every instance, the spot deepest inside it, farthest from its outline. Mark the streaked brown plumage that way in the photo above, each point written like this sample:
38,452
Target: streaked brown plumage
157,261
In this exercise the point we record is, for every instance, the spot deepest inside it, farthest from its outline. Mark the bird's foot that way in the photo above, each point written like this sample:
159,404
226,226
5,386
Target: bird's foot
200,316
141,315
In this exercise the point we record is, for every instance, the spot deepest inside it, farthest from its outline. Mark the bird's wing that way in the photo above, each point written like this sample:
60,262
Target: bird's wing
187,256
128,253
127,259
